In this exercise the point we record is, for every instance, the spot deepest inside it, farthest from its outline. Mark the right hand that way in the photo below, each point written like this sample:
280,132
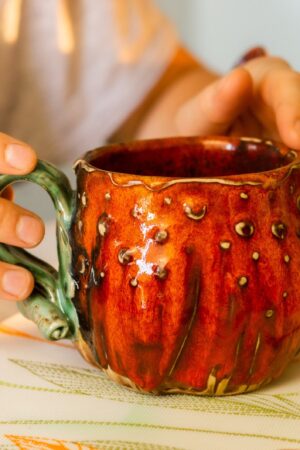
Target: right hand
18,226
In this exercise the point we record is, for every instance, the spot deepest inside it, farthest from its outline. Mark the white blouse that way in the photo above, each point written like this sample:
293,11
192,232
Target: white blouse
71,71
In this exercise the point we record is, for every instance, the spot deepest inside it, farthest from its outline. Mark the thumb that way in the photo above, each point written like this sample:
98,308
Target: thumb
216,107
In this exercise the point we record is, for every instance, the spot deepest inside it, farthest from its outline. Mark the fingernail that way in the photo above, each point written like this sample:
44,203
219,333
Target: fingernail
18,156
29,230
15,282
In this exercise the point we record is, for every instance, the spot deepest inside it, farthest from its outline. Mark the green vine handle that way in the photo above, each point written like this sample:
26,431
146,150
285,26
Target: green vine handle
49,305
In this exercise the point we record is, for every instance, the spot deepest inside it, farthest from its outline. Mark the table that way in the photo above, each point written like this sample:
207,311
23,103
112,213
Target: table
52,399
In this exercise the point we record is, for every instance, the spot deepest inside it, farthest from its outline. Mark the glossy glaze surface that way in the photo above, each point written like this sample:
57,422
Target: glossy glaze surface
189,284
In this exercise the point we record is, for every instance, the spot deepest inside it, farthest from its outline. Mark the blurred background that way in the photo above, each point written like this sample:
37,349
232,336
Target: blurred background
220,31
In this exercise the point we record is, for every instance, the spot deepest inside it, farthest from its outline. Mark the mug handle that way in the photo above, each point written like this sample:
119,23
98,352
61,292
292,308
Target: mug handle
49,306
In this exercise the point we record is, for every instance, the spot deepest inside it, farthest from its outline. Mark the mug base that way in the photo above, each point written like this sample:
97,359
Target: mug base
213,388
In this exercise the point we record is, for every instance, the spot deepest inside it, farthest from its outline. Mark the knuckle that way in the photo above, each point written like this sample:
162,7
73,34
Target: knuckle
279,61
280,80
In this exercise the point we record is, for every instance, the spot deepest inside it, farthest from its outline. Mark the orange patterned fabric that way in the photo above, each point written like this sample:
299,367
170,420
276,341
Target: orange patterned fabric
38,443
14,332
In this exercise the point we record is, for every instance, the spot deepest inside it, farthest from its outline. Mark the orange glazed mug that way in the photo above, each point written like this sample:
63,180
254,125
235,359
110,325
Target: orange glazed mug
178,262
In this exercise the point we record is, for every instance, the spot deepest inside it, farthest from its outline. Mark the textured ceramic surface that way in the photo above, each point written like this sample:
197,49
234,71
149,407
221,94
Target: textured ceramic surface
184,263
189,284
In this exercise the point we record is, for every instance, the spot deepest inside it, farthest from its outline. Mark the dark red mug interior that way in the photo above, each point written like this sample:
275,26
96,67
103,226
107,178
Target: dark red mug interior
191,157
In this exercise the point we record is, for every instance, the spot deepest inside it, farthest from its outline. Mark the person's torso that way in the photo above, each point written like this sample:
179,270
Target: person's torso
60,64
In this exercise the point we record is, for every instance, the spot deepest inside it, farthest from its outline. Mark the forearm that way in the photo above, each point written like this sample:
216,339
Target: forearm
155,117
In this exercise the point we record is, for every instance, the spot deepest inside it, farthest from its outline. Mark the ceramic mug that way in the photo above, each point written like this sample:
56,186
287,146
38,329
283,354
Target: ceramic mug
178,262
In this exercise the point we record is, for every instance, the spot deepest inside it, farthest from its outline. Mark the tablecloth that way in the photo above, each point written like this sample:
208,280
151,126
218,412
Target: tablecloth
50,398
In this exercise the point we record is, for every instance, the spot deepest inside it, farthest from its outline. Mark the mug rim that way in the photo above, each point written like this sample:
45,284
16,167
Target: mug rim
85,163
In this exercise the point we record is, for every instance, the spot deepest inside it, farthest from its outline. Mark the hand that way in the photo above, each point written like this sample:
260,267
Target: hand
260,98
18,226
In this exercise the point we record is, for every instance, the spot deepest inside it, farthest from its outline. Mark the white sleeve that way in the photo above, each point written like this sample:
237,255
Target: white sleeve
72,72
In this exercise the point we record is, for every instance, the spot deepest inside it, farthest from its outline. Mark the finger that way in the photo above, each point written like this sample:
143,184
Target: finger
16,157
18,226
216,107
281,93
16,283
246,125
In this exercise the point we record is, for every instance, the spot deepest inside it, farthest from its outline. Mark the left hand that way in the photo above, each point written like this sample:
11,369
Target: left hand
260,98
